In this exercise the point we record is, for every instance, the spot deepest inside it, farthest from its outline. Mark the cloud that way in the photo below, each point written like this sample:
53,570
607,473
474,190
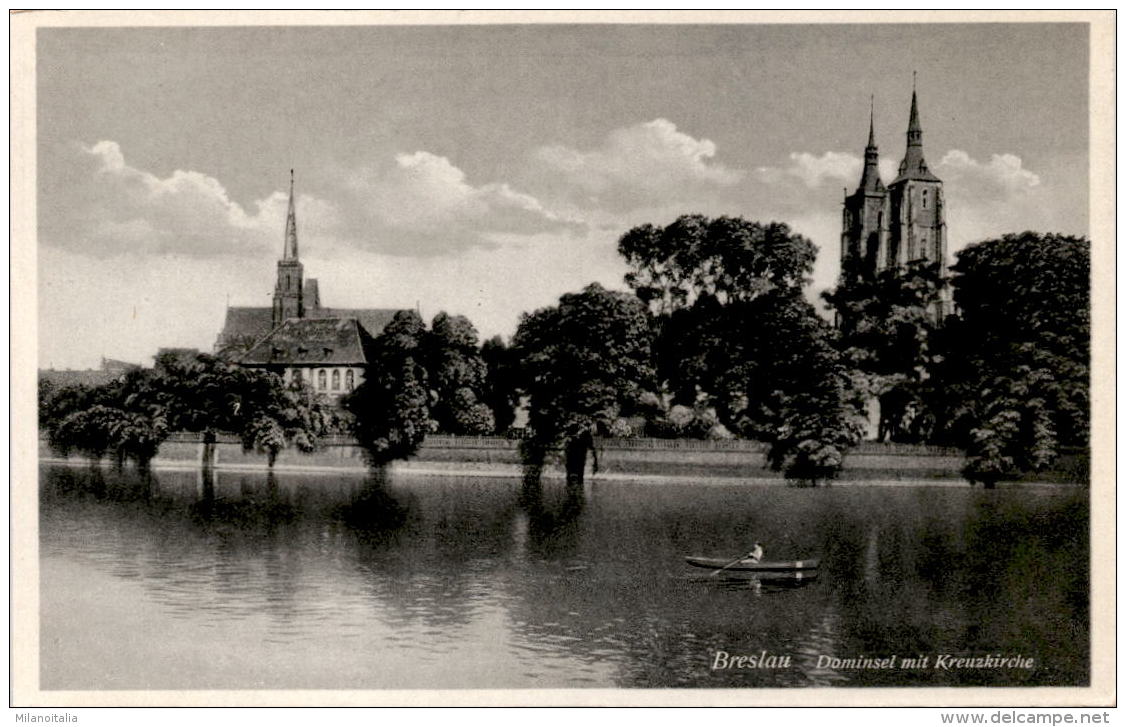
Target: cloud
112,208
645,165
1002,177
842,169
416,204
421,204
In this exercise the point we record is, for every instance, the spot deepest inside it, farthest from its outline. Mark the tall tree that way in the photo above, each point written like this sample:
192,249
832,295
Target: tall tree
727,258
697,275
457,375
735,337
391,407
800,396
890,335
502,382
1015,380
586,361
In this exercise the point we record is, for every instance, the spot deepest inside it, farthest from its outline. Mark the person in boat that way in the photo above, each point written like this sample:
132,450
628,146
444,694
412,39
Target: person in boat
756,554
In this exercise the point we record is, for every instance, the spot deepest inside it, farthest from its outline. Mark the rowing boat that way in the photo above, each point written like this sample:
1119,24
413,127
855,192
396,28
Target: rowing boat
748,564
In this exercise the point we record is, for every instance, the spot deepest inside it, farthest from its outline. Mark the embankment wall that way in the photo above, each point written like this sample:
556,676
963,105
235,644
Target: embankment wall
625,457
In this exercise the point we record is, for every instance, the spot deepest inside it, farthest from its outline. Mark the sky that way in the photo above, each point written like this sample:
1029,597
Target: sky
486,170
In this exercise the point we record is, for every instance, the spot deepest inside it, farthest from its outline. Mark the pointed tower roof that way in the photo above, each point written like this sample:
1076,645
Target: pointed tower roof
290,250
870,182
913,125
914,166
872,122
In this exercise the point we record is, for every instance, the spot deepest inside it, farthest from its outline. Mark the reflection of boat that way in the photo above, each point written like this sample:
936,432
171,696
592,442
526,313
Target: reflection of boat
754,565
760,581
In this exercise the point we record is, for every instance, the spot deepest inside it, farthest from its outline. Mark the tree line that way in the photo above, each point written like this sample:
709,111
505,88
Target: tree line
422,380
716,338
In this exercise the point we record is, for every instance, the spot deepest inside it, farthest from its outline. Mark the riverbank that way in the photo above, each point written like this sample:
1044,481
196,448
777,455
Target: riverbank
647,460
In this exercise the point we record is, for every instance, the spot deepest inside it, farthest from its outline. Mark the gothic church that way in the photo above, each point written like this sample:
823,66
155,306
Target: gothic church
892,226
297,337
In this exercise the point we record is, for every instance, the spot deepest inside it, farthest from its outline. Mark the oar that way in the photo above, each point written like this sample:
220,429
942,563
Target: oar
720,570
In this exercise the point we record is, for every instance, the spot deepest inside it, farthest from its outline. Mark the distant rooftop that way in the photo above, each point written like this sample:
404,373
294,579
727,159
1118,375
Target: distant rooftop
313,341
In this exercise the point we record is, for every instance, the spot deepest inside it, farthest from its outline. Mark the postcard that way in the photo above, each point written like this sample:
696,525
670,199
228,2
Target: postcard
562,358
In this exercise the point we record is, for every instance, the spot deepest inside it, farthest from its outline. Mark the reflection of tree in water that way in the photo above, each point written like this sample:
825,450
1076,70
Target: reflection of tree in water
888,558
253,506
373,512
554,523
1011,553
90,483
235,545
948,568
435,570
242,544
870,556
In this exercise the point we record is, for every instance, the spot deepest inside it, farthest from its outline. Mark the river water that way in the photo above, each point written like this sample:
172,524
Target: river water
245,581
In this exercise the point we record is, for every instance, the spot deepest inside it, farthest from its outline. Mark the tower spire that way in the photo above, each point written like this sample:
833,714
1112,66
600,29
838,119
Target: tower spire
870,179
872,120
914,128
290,250
288,292
914,166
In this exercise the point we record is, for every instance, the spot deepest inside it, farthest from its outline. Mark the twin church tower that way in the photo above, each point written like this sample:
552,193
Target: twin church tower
904,222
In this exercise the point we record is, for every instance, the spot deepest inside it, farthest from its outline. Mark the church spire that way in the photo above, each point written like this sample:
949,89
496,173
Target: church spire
290,251
914,128
914,166
870,181
872,121
288,297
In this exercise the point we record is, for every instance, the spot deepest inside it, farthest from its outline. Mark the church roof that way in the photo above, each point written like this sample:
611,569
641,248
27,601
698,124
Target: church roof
374,320
870,182
912,170
313,341
244,326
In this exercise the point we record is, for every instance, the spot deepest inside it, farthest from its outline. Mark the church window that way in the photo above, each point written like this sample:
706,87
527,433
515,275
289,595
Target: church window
924,199
322,379
336,379
350,380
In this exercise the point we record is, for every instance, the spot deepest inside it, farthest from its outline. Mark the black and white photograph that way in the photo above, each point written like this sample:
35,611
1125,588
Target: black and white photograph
578,358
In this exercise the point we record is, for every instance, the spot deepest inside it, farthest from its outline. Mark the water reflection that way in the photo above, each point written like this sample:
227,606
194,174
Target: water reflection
759,583
359,582
554,526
